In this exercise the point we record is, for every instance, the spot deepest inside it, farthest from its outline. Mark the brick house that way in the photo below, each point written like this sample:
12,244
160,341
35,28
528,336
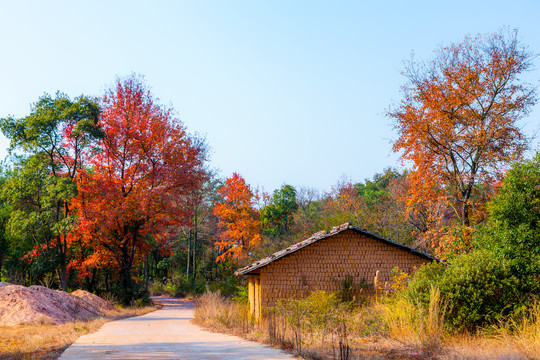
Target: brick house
323,261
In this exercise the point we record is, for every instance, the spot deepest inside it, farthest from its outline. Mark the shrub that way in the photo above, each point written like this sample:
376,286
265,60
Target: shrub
228,286
423,280
478,289
156,288
130,293
242,295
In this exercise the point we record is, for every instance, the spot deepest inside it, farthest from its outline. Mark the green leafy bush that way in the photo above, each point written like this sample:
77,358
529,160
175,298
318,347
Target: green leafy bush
513,230
477,289
156,288
133,294
242,295
424,279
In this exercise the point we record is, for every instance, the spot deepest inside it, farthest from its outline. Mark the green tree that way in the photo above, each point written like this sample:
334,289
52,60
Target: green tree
501,275
277,217
53,143
514,224
4,216
376,191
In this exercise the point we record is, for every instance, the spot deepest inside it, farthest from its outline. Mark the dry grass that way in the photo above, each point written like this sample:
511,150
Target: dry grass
411,324
522,335
389,328
216,313
49,341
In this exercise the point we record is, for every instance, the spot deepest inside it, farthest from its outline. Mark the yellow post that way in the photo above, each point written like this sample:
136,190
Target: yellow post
251,294
257,298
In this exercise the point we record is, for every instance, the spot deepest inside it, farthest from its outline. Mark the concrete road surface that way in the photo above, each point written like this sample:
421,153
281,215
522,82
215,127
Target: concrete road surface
166,334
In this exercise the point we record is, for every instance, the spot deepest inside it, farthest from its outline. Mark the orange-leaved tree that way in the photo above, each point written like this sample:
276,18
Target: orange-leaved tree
457,122
141,180
238,219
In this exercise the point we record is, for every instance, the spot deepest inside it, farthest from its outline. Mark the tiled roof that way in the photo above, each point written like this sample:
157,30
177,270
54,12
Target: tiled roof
323,235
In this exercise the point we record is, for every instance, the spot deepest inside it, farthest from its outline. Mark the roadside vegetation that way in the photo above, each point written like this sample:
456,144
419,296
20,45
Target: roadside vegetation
389,326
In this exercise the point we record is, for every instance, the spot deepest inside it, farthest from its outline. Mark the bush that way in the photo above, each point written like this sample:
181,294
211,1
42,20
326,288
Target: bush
179,286
156,288
499,279
478,289
242,295
228,286
134,293
423,280
182,286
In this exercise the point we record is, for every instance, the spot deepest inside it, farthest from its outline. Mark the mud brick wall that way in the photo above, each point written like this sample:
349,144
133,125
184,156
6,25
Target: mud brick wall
325,264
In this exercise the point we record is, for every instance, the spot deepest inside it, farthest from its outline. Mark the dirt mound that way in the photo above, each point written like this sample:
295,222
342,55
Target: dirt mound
40,305
94,300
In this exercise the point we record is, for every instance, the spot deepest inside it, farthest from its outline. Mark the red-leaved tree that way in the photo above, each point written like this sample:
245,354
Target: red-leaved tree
141,180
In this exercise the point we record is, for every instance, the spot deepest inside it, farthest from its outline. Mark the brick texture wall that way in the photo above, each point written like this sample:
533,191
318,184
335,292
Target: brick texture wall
325,264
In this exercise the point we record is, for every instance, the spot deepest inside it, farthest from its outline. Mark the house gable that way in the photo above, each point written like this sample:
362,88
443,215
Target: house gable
326,264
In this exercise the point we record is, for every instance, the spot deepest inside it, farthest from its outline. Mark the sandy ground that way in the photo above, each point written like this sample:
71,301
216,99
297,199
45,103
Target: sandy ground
166,334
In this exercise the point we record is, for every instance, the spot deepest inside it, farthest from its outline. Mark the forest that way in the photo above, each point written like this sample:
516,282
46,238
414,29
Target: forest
114,195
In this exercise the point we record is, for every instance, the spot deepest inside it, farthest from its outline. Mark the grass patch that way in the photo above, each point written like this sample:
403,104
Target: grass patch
218,313
50,341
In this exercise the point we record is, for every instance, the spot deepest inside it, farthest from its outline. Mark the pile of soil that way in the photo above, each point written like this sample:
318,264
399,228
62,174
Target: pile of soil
40,305
94,300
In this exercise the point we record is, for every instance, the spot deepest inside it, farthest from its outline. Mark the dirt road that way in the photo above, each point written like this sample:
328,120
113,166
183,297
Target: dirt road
165,334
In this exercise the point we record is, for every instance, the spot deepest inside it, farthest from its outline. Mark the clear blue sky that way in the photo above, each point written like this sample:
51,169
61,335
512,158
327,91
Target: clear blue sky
286,91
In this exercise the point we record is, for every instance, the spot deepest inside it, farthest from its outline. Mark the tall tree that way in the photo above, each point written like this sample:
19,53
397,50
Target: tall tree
513,230
238,219
141,182
458,118
5,211
200,232
55,142
277,217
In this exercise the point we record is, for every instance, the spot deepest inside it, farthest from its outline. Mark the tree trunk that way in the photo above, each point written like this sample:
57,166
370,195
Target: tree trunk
466,220
93,280
189,253
126,294
466,196
63,271
145,268
107,288
195,249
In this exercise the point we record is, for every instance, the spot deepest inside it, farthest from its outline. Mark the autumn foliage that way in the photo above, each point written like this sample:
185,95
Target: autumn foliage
140,181
238,219
457,125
